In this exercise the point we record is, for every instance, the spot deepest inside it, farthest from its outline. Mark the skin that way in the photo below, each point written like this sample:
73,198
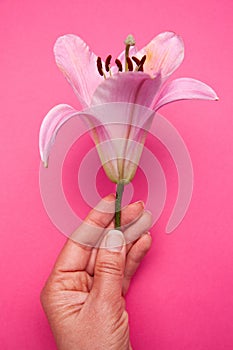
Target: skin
84,297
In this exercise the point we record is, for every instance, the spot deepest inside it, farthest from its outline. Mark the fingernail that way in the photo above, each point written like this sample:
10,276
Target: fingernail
110,197
114,241
139,203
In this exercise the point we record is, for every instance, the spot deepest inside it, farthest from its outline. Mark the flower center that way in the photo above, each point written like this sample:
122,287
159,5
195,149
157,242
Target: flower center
129,66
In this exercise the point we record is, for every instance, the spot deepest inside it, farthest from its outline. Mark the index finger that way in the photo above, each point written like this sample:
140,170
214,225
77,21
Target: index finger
77,250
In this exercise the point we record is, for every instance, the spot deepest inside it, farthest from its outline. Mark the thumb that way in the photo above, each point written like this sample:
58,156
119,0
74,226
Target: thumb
110,266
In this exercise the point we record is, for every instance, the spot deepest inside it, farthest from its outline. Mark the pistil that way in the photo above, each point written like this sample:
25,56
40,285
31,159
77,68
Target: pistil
130,64
129,41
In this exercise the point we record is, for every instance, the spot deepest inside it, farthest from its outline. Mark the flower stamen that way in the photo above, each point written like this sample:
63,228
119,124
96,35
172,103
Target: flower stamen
107,63
100,67
139,63
130,64
136,60
140,68
119,65
129,41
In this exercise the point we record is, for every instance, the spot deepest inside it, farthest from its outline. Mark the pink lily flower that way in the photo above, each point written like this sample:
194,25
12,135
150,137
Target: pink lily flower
119,100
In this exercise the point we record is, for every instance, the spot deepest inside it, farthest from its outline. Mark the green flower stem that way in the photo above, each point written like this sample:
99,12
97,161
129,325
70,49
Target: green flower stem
119,194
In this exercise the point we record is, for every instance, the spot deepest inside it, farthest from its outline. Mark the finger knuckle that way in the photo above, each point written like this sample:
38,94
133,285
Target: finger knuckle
45,293
109,267
43,296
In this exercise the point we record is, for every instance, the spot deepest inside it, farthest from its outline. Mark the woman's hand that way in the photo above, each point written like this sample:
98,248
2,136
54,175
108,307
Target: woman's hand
84,295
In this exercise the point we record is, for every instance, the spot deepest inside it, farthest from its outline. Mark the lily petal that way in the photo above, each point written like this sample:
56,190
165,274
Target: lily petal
126,126
184,89
78,64
52,122
131,87
108,124
135,145
164,54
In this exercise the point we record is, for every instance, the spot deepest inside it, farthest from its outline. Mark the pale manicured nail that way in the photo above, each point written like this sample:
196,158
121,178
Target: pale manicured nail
139,203
111,197
114,241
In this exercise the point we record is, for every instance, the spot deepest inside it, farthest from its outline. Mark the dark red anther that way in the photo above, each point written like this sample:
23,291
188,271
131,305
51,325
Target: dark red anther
107,63
136,60
130,64
99,66
119,65
140,68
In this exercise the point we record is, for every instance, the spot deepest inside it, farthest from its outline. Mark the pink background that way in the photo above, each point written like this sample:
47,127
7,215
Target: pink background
182,296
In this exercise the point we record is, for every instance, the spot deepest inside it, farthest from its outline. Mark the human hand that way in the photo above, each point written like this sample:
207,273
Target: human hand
84,295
